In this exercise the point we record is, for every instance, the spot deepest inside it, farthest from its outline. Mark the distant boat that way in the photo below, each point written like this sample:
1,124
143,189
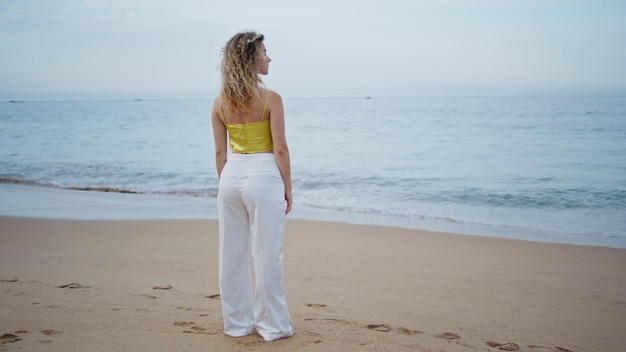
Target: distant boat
137,99
16,101
368,98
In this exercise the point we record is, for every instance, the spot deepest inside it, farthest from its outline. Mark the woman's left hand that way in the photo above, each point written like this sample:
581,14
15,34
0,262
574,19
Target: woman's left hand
289,200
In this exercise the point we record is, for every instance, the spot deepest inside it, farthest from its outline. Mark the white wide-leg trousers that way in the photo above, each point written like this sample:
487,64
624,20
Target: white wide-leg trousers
251,211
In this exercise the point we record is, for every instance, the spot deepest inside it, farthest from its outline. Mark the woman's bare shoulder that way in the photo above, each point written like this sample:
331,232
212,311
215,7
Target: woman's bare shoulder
274,97
217,102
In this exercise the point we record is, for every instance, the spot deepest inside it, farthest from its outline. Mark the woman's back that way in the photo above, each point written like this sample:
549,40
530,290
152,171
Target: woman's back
251,130
257,112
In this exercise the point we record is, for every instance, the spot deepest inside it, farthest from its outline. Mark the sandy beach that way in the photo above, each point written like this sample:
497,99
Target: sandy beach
70,285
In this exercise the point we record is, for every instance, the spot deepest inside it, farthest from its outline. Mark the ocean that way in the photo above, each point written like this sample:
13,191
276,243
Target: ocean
539,168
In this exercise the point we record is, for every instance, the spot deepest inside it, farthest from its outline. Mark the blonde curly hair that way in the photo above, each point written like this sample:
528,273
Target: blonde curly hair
240,81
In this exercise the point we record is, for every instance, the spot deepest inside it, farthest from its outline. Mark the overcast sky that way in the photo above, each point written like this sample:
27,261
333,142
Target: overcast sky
157,48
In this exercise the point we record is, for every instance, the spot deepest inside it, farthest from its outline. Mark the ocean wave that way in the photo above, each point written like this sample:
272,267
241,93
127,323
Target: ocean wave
533,195
103,189
538,198
209,193
495,227
383,212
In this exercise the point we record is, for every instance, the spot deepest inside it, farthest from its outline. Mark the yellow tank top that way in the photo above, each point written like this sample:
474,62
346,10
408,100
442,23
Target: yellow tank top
248,138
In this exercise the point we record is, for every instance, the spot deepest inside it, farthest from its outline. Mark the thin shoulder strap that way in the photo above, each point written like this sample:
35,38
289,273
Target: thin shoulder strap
222,111
267,98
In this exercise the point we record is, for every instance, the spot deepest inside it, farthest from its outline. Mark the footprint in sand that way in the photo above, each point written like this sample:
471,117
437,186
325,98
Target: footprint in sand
183,323
387,328
448,336
316,305
326,319
320,306
147,296
379,327
195,329
509,346
200,330
166,287
73,285
9,338
556,348
50,332
405,331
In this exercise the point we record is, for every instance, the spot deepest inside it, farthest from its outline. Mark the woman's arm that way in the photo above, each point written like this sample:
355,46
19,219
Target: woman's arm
281,149
219,136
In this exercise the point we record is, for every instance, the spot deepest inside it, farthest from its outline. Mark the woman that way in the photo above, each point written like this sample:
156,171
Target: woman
254,193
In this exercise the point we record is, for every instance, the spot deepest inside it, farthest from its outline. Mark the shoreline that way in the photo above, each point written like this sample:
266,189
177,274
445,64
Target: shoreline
70,285
33,201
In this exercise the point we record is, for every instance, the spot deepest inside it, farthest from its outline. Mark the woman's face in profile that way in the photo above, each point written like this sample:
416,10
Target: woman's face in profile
262,60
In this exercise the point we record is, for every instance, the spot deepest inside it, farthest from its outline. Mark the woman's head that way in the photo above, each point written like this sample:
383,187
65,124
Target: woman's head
243,59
